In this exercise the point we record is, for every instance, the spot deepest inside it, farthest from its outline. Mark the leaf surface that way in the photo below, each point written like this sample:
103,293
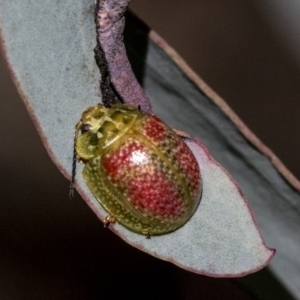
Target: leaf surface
49,49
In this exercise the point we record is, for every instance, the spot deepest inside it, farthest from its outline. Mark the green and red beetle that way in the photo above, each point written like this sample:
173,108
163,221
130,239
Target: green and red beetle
138,168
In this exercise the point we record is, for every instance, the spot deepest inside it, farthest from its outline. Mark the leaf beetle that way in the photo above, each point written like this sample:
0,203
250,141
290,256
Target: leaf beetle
138,168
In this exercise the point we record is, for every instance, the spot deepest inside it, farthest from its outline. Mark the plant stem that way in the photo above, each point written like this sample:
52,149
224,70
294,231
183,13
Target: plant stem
110,23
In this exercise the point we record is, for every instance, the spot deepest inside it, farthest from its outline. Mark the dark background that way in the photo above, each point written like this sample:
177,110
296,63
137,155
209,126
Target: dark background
56,248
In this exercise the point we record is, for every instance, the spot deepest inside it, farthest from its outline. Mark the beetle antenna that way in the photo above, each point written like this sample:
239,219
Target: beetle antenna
72,183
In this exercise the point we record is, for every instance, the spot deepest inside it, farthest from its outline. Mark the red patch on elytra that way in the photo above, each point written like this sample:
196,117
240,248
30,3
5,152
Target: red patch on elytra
156,194
189,164
155,129
115,162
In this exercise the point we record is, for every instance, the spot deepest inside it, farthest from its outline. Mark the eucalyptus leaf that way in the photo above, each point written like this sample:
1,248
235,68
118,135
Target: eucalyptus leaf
49,49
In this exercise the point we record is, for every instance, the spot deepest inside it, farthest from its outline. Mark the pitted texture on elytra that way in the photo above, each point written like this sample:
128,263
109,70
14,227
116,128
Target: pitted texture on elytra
138,168
143,177
170,145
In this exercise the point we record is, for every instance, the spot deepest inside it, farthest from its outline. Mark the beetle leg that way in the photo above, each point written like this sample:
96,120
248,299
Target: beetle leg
108,220
147,234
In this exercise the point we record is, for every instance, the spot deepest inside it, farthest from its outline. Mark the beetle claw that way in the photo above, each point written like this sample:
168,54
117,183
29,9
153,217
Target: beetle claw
108,220
148,235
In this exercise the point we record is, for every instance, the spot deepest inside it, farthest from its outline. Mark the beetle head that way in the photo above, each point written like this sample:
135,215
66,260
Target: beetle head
100,127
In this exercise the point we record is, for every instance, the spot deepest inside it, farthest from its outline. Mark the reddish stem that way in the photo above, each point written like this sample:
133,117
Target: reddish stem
110,22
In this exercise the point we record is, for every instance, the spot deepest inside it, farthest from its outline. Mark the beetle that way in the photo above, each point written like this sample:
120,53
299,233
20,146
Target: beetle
138,168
